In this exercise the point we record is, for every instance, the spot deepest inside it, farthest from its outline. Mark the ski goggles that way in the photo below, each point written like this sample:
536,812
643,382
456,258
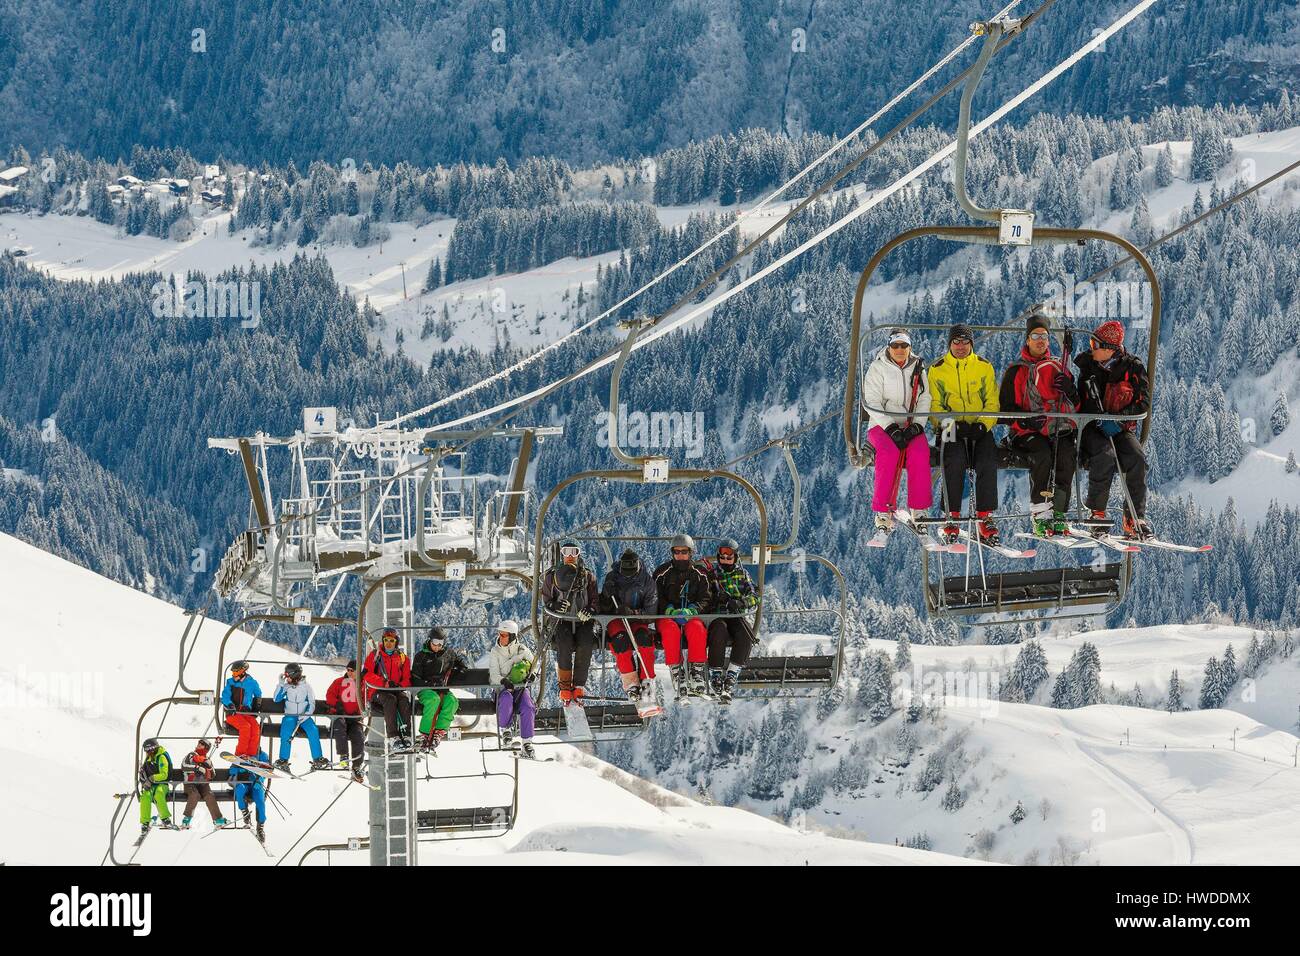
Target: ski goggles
1040,336
389,636
570,552
1099,344
726,553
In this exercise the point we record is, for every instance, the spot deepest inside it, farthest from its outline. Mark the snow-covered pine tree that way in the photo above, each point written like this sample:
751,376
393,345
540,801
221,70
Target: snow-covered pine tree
1174,700
903,655
1018,813
1280,417
1164,171
1212,690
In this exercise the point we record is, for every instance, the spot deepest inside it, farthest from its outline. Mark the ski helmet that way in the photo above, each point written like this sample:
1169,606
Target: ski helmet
729,544
683,541
203,744
629,563
509,627
293,671
436,636
150,745
238,667
389,632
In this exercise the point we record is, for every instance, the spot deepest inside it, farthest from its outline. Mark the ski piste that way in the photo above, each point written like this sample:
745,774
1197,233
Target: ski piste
1002,549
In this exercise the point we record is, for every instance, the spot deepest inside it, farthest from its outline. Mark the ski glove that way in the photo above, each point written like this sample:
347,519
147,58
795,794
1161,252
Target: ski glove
1065,385
507,683
735,606
584,616
562,606
895,433
910,432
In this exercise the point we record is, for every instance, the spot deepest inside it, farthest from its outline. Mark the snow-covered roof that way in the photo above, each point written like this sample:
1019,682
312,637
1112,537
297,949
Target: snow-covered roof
129,181
7,191
13,173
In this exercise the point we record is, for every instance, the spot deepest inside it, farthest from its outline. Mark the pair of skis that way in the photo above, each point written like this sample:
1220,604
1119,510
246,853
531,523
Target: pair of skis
1083,539
933,544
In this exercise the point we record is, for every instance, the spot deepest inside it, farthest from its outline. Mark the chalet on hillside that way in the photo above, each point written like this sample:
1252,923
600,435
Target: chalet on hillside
13,175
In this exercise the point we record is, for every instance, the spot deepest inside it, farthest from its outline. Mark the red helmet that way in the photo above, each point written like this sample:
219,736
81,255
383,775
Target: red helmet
1109,334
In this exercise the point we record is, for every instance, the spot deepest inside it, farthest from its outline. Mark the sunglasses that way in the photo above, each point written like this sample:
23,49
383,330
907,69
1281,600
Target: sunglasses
899,345
681,550
390,640
961,340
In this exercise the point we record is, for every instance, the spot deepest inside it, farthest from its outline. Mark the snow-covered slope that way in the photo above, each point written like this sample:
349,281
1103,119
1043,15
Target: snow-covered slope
84,655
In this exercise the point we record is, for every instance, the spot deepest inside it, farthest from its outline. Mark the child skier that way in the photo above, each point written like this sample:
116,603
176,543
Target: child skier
250,786
510,667
196,770
155,771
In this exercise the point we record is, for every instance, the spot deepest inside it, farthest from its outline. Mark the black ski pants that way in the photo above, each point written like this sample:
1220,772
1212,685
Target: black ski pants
1044,463
735,631
1099,455
961,454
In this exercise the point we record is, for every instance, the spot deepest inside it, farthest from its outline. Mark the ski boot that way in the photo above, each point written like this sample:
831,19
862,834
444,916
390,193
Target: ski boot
261,834
677,674
220,822
1060,527
427,743
951,532
1098,525
401,745
357,775
439,735
633,692
144,829
884,522
320,763
167,824
578,694
507,738
1042,519
715,681
185,822
1139,529
529,752
697,685
988,530
729,686
248,818
282,765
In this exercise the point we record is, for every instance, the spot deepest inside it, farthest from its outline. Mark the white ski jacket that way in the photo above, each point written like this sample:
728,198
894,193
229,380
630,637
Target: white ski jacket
502,659
888,387
298,699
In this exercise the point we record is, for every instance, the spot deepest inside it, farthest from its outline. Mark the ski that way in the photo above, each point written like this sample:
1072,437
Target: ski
575,722
361,783
1106,540
928,541
1001,549
1061,540
261,843
878,540
1166,545
264,770
228,826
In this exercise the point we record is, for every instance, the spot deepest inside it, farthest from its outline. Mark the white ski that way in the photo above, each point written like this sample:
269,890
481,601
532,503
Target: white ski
263,770
575,722
1001,549
1107,540
1167,545
1061,540
928,541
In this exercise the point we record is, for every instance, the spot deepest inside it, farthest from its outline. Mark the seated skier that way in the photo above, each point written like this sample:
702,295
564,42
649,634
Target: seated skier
346,729
155,772
732,593
964,382
569,591
388,668
895,383
1113,380
197,772
238,697
435,666
510,669
629,589
683,590
299,705
250,786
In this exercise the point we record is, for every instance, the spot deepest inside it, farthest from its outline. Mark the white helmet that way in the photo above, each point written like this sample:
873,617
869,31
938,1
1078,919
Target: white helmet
509,627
